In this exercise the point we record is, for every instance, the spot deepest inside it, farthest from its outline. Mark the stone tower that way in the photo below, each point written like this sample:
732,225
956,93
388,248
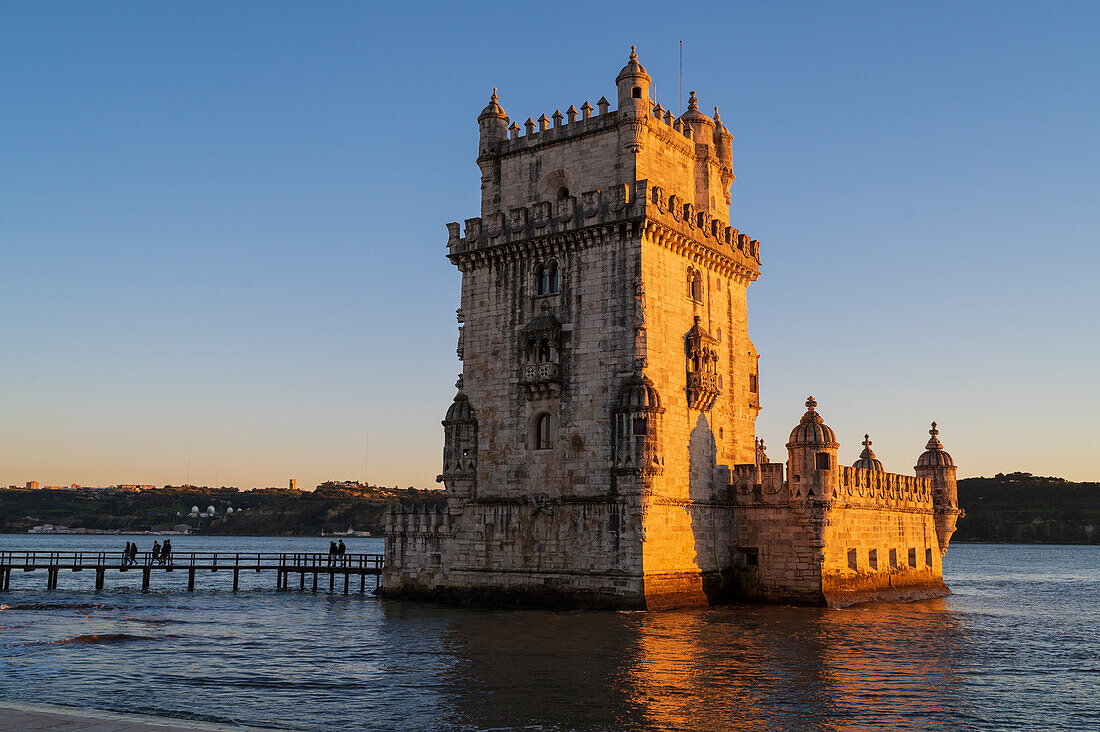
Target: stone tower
605,414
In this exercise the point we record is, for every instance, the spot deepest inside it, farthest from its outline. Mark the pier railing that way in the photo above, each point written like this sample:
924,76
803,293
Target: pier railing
283,563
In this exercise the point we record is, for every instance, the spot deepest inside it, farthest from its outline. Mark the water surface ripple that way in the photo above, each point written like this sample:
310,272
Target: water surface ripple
1014,648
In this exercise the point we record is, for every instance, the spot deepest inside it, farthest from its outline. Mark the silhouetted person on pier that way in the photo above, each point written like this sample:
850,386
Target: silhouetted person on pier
131,553
166,552
341,549
332,552
126,554
156,553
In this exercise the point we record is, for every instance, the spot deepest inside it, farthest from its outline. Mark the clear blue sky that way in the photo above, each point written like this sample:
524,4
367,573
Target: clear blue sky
221,224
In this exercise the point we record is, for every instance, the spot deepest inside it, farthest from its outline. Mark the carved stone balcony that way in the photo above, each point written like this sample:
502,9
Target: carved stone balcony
541,380
702,390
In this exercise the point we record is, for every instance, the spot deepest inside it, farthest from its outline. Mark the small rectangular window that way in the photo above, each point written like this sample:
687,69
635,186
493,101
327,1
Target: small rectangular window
928,557
872,558
853,562
821,461
912,557
893,559
752,383
750,556
641,426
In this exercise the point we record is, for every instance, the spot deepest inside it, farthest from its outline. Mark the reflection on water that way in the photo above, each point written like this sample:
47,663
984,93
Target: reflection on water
1015,647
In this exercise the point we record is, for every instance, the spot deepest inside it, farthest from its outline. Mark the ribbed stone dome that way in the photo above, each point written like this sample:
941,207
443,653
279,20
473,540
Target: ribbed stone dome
460,410
639,395
632,68
867,459
693,114
493,109
812,430
934,456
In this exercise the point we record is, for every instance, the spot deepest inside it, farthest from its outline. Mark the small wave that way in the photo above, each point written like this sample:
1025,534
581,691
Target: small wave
90,638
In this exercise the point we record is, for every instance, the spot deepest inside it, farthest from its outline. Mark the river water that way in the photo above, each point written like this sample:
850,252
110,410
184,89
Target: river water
1016,647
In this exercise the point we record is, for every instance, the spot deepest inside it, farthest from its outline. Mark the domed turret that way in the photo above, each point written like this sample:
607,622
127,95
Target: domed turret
639,395
867,459
811,456
633,84
934,456
493,110
493,126
460,410
702,126
812,430
637,422
938,468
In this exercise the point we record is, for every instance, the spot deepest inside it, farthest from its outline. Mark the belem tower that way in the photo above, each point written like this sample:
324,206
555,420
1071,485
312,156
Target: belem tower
601,449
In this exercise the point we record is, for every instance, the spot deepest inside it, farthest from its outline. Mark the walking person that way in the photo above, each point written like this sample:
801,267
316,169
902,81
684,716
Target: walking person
166,552
332,553
126,554
341,549
156,553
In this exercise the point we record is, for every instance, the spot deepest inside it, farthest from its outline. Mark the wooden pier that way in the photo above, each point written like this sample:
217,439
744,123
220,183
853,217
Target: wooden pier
311,566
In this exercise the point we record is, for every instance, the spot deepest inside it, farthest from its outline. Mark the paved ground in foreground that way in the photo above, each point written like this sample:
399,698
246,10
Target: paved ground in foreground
33,718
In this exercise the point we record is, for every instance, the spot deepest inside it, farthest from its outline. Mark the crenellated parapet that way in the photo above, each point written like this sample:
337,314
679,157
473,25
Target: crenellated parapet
665,217
868,487
422,523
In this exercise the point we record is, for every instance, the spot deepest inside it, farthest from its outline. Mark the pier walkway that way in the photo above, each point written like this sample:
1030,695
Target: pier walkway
283,565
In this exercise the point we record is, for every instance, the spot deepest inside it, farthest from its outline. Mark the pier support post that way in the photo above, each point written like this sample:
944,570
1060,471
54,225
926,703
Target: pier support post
315,582
191,579
236,577
346,577
331,580
362,583
302,582
99,572
51,579
145,578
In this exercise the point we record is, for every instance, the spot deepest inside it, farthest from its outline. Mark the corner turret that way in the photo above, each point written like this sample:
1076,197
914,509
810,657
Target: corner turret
811,453
633,83
936,464
493,126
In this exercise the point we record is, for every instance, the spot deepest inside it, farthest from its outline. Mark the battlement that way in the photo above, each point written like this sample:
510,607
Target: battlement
559,127
886,489
758,484
765,484
673,222
418,523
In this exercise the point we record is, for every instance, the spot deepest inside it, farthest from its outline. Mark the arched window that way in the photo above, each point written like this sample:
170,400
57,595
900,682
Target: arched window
544,351
540,280
552,278
563,192
529,352
697,287
542,432
690,282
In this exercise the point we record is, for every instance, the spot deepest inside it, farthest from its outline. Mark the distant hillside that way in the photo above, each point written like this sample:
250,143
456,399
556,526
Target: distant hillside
266,512
1025,508
1018,507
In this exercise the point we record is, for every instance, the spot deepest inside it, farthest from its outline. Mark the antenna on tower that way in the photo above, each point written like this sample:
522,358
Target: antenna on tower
681,77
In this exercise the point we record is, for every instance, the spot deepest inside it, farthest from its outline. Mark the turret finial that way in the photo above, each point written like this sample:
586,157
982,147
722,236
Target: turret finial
933,431
811,403
717,117
867,441
633,53
693,102
494,97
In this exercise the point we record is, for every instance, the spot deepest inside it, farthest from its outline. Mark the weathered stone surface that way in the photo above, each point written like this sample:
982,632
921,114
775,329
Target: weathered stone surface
602,449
